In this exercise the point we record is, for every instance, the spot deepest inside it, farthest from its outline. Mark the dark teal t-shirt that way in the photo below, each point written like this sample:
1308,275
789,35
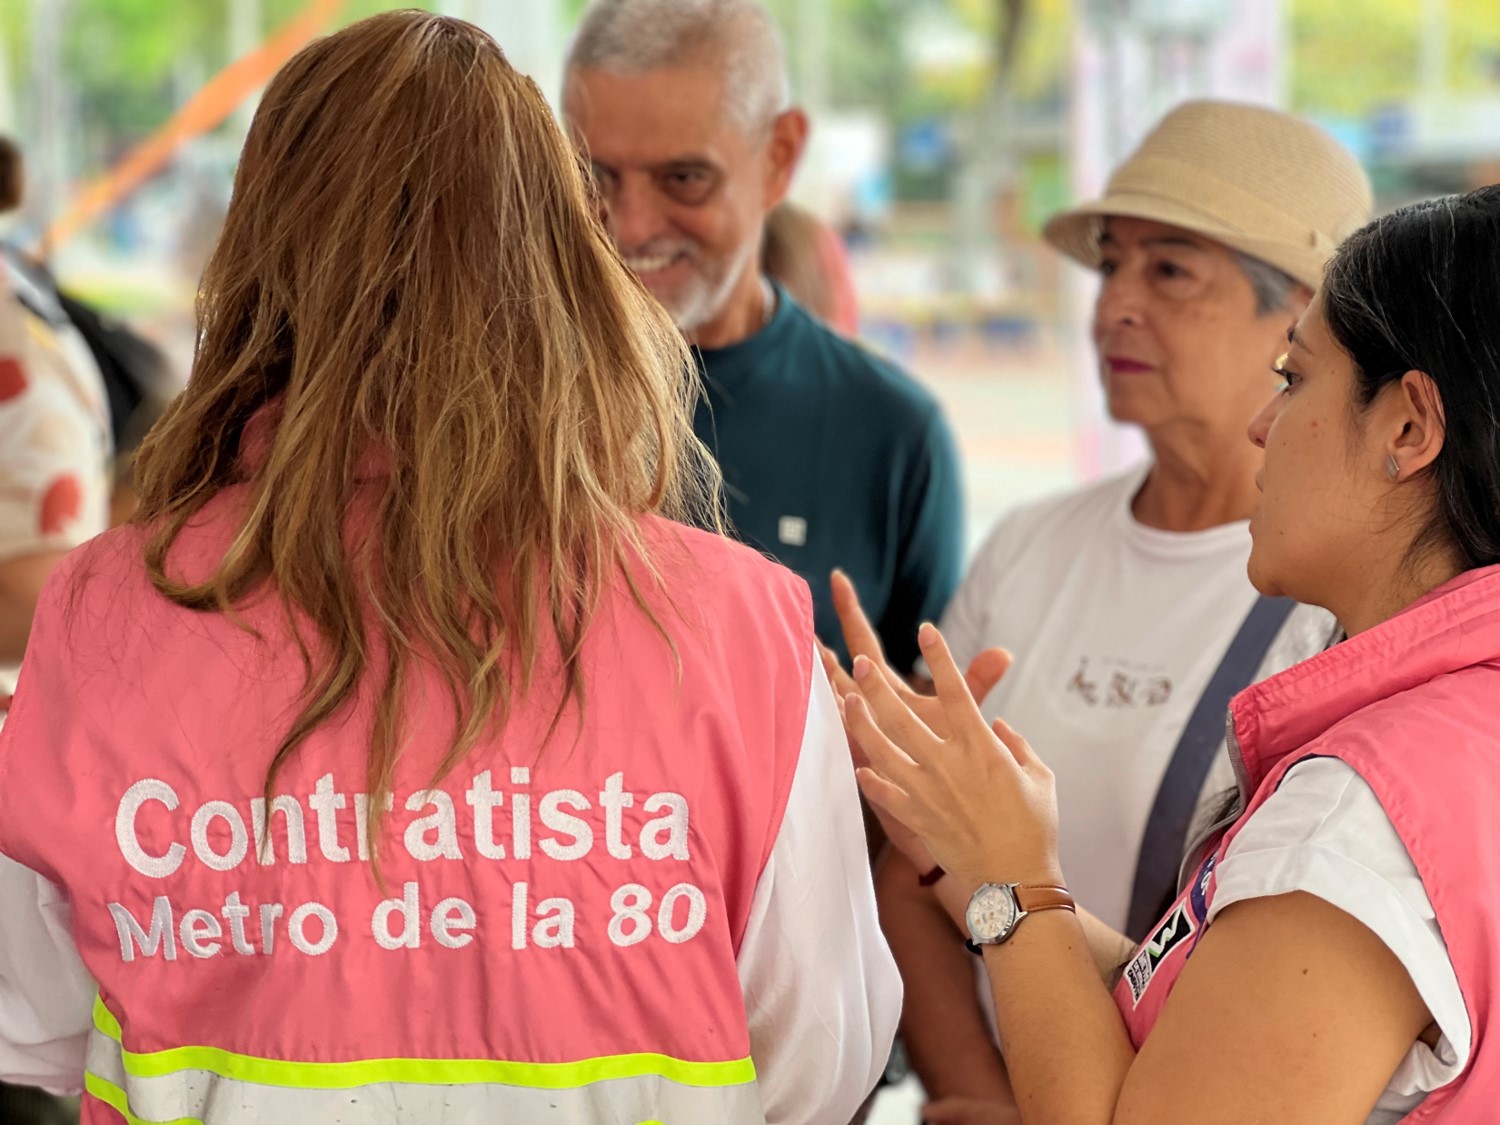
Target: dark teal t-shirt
833,457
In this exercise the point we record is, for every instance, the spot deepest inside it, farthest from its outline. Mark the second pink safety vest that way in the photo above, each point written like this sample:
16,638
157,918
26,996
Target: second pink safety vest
1411,706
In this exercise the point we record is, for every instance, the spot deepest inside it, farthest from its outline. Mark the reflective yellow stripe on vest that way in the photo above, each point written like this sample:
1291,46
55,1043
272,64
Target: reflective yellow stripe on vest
209,1086
114,1097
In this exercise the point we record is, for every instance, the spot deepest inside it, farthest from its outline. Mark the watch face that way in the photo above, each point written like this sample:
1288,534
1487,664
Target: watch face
992,913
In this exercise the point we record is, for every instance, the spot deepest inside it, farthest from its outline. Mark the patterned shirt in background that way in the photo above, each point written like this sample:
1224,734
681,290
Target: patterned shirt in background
54,430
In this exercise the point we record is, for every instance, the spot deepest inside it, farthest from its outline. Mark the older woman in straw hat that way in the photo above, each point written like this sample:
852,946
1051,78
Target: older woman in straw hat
1126,603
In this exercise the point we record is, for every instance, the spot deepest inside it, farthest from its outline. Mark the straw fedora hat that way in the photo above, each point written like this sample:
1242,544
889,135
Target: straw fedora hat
1263,182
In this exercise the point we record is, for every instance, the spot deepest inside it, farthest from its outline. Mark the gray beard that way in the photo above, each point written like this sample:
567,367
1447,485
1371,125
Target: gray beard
708,298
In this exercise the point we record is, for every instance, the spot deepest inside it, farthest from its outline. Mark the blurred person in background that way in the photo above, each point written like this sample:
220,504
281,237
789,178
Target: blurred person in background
552,813
55,484
806,257
139,382
1125,604
831,457
137,378
1333,952
55,442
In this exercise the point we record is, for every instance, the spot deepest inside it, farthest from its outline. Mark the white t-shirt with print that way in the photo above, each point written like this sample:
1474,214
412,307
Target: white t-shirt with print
1325,832
1116,629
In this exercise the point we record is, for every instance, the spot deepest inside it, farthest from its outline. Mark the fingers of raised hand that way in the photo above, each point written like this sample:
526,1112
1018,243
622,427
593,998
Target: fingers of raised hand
842,682
953,690
905,692
889,799
859,634
886,774
1019,748
884,755
891,709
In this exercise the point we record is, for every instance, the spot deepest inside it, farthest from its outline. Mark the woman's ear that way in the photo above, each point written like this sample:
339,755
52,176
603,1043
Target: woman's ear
1417,425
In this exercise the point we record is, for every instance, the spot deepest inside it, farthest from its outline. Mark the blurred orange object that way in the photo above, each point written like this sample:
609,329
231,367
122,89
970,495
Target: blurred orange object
844,313
218,98
807,257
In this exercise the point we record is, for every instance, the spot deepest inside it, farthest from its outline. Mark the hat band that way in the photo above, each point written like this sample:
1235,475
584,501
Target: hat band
1223,204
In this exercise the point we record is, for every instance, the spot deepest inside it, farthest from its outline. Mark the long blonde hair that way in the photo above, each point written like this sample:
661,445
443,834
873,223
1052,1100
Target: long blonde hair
411,272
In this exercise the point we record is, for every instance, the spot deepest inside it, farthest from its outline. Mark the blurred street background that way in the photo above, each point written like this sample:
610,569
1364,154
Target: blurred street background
944,132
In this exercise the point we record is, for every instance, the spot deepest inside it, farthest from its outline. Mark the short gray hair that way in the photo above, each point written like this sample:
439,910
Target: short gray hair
637,36
1273,287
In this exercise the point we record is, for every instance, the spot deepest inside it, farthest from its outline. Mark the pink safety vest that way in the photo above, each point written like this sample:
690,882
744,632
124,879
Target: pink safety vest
1411,705
557,934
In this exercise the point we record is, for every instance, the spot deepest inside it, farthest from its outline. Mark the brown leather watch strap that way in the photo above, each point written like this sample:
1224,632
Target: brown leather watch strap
1032,899
931,877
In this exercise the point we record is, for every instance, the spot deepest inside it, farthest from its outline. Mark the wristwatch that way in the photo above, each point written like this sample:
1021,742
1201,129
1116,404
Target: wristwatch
996,909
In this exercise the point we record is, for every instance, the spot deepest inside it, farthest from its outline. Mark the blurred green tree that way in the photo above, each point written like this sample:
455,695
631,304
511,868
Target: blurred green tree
131,62
1352,59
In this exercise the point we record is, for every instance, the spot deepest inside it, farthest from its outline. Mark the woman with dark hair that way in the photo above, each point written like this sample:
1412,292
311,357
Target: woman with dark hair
409,758
1343,920
1125,602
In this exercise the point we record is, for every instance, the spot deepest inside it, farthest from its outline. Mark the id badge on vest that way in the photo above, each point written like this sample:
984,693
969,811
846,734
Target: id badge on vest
1180,930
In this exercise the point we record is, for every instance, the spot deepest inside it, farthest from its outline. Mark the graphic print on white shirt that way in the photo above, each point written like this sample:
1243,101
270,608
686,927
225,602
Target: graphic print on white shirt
1113,683
1116,629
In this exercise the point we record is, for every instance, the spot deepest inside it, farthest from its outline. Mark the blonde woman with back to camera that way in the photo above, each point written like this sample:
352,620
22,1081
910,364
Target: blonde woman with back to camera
404,761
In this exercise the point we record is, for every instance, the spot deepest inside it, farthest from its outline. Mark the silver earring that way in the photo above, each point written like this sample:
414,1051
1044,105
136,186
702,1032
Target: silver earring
1392,467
